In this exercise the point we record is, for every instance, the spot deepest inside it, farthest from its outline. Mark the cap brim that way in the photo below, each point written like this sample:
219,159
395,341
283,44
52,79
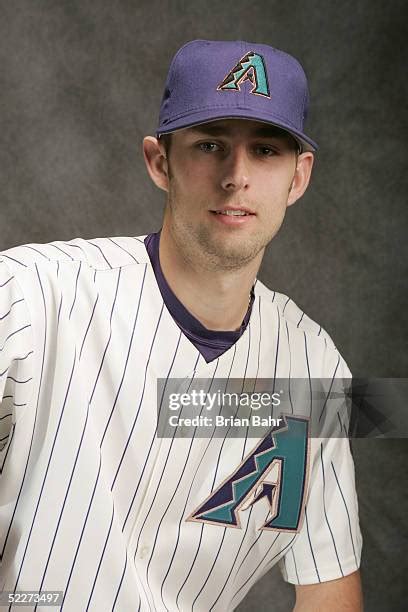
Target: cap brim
190,120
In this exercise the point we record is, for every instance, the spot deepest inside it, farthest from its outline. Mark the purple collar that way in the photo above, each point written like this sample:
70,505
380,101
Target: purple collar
194,330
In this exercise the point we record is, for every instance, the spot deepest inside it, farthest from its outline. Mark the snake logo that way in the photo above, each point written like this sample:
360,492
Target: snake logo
287,447
251,68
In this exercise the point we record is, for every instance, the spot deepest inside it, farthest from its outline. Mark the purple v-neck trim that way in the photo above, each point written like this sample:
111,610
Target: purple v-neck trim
210,343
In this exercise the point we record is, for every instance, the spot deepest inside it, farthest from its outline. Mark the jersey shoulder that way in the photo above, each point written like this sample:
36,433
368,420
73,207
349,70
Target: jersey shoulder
293,314
98,253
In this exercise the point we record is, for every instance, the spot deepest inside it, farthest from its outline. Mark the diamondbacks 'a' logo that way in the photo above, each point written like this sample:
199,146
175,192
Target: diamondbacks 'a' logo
251,67
287,448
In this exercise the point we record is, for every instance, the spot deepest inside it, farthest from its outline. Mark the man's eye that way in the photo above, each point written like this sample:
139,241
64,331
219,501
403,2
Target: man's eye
266,151
208,147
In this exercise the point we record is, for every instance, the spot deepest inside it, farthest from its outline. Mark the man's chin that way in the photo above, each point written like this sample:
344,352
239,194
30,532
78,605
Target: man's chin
232,256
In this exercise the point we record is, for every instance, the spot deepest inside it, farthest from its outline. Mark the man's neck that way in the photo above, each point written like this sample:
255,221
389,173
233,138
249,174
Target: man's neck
218,299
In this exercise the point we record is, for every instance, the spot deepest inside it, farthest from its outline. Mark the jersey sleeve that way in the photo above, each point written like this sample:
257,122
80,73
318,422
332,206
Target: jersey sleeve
329,543
16,355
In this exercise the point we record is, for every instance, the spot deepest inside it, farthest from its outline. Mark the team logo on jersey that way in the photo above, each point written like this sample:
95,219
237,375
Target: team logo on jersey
287,448
251,68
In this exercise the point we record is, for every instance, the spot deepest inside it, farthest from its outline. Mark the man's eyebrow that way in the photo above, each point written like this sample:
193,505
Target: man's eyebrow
267,131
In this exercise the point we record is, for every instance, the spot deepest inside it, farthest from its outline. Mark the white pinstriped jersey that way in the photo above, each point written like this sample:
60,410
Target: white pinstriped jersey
91,501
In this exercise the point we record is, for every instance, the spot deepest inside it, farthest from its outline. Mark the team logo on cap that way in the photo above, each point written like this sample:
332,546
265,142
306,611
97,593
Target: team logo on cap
251,68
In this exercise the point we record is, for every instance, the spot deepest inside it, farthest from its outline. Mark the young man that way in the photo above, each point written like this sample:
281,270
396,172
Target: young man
93,502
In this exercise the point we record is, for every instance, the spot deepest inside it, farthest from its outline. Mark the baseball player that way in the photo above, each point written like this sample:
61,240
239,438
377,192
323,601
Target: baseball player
94,504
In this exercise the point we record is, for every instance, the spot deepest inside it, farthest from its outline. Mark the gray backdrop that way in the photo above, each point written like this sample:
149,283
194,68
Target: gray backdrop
81,83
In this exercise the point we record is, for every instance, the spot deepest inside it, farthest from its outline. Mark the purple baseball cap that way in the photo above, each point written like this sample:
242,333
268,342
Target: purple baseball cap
210,80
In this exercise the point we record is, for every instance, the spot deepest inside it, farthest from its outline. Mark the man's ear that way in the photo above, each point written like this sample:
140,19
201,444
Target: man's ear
156,162
301,177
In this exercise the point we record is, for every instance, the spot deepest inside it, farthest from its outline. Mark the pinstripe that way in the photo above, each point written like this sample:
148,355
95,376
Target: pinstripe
120,585
75,246
294,563
17,331
260,335
211,569
308,373
100,250
20,382
11,434
6,282
310,544
286,303
21,359
290,367
15,359
109,339
325,510
279,553
61,251
65,591
331,385
347,511
29,246
20,263
123,249
88,326
59,309
192,565
277,347
257,567
270,561
11,307
101,557
65,498
46,472
340,423
76,290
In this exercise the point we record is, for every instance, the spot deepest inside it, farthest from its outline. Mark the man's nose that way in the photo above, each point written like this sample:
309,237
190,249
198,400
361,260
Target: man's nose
235,175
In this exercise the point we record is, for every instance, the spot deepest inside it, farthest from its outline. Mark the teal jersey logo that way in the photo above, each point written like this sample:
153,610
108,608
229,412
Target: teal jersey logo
286,447
251,68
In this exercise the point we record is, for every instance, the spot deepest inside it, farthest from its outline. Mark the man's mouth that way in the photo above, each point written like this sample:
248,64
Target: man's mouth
233,212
